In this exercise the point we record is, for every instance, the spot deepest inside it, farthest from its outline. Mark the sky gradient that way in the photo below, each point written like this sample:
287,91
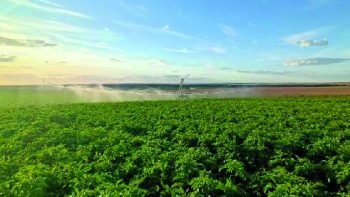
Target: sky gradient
155,41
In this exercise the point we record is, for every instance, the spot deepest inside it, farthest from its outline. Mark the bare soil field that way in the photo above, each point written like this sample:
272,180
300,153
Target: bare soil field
303,91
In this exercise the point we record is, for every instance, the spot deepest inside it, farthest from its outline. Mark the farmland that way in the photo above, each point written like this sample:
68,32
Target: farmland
234,147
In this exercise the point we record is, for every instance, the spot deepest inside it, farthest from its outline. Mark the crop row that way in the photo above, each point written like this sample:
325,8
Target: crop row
232,147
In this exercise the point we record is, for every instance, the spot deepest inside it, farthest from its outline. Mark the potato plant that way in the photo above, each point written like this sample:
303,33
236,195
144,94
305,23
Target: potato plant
220,147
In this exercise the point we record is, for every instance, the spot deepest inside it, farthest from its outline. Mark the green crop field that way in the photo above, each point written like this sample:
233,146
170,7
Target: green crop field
221,147
24,96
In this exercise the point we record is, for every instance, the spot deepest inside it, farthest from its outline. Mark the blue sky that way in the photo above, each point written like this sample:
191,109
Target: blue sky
85,41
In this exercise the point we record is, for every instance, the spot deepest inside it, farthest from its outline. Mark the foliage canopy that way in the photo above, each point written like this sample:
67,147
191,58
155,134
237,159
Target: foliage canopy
232,147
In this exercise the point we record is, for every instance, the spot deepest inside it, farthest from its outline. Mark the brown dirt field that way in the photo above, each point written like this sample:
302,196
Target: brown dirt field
269,91
303,91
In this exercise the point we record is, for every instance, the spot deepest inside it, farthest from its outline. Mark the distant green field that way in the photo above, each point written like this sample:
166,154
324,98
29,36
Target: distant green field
15,96
220,147
23,96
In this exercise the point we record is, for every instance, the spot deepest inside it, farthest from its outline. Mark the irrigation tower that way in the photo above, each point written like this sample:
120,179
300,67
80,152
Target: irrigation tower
182,94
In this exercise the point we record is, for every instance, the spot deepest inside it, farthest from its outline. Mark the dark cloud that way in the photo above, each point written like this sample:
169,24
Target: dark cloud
170,76
163,61
5,58
24,42
307,43
115,60
54,62
264,72
314,61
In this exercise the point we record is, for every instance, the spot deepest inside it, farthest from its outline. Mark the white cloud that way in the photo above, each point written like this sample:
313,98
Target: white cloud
308,35
264,72
308,43
20,23
49,8
62,33
166,30
314,61
51,3
183,50
216,49
228,30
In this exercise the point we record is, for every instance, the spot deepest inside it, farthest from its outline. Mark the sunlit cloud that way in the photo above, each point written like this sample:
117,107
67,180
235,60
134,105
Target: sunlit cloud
308,43
49,8
61,33
90,40
314,61
307,38
50,3
264,72
31,23
131,38
7,58
24,42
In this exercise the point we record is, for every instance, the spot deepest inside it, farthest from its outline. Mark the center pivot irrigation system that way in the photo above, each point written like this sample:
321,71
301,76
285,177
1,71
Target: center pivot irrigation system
45,81
182,94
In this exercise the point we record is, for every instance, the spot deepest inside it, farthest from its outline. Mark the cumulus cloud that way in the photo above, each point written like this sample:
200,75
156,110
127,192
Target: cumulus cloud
314,61
308,43
263,72
24,42
307,38
6,58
